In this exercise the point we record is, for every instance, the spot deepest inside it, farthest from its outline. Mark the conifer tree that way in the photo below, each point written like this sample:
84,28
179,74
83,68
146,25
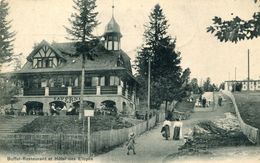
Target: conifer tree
83,21
166,72
6,36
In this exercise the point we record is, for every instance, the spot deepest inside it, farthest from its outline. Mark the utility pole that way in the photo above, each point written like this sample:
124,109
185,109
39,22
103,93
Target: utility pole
248,70
235,74
149,91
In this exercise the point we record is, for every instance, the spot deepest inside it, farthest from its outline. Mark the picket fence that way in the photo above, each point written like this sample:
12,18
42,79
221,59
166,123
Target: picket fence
75,143
251,132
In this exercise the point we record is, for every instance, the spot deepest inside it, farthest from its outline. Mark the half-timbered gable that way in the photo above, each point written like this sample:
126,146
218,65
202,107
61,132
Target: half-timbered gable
45,56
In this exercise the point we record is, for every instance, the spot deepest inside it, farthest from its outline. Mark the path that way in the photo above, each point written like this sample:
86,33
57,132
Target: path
151,147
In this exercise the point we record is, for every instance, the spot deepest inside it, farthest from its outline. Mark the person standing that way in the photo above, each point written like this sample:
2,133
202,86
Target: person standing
177,129
166,129
220,101
24,109
204,101
131,143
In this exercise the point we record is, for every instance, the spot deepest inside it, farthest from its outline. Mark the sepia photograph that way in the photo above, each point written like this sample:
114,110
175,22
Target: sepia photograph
129,81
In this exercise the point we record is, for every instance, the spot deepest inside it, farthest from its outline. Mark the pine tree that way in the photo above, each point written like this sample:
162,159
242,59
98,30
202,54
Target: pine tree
83,22
166,72
6,37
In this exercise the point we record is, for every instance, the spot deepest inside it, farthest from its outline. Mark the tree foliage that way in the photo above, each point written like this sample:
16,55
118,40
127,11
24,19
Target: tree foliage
166,71
6,36
194,86
207,86
83,21
236,29
7,90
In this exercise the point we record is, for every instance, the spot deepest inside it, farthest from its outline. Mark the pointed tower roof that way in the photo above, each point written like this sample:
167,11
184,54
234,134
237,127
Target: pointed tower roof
112,27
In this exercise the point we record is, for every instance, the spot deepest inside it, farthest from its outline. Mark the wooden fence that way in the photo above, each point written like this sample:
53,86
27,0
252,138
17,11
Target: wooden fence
53,143
251,132
74,143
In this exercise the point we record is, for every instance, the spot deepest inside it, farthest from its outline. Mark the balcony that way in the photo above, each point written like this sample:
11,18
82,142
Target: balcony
108,90
34,91
58,91
68,91
87,91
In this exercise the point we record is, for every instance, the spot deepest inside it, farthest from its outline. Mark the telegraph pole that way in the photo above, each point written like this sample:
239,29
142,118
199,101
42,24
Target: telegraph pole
149,91
235,74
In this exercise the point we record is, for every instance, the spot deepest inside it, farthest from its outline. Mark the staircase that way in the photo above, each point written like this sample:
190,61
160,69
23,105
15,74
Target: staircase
9,124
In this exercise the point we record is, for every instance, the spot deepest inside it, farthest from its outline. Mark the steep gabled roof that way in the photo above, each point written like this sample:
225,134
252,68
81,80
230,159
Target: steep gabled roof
38,47
104,59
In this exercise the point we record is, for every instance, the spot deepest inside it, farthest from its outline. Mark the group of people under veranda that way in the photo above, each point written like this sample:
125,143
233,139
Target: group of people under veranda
174,127
56,110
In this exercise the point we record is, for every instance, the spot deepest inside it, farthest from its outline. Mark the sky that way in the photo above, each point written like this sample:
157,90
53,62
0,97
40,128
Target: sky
35,20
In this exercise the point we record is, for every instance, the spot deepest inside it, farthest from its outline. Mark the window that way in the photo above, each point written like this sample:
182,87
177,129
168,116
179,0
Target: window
114,80
44,63
102,81
109,46
115,38
120,61
110,38
94,81
88,81
39,63
36,83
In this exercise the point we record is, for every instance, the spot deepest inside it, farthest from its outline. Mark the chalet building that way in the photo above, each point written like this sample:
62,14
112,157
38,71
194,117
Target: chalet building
254,85
52,76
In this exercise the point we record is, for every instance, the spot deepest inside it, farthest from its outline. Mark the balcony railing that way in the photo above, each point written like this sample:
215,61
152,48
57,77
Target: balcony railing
34,91
58,91
108,89
87,91
96,90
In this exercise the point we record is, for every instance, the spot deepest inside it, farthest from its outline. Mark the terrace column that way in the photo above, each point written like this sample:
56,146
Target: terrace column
21,92
133,96
126,93
119,90
98,90
69,90
46,91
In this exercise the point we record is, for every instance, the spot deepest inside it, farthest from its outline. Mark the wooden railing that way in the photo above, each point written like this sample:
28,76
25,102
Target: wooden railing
108,89
58,91
74,91
34,91
87,91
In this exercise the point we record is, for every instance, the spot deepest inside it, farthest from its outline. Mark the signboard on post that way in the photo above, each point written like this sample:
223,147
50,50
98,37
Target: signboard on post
89,113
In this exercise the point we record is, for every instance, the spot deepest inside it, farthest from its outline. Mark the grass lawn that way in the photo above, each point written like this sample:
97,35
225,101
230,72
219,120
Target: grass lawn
249,107
185,106
71,124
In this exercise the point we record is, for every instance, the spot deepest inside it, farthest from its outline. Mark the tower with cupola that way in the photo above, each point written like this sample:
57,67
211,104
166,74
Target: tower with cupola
112,34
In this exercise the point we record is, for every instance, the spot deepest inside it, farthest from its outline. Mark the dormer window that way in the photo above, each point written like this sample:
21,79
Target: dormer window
120,61
45,58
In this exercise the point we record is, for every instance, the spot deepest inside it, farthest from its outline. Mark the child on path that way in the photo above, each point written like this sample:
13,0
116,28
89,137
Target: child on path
130,143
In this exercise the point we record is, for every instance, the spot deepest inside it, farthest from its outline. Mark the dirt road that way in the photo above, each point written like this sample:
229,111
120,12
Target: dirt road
151,147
